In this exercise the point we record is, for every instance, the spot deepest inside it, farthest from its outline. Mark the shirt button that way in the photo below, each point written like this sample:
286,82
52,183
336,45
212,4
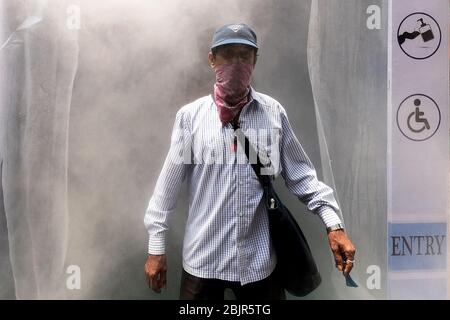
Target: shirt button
240,213
241,182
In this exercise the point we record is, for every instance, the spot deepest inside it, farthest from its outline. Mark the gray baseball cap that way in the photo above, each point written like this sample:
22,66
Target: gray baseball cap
234,34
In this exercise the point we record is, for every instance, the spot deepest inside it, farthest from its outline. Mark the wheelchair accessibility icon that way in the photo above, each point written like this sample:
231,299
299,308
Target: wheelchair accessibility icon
418,117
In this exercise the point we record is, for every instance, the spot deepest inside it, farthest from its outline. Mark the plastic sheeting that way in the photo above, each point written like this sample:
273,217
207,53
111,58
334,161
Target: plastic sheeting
120,79
348,69
39,61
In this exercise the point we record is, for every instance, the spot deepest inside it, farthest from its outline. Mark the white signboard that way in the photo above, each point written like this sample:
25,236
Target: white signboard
418,149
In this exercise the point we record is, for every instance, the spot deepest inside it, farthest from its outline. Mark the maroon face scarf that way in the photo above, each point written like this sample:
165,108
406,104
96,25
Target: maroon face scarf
231,89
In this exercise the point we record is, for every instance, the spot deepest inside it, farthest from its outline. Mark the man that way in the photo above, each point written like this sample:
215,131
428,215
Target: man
227,242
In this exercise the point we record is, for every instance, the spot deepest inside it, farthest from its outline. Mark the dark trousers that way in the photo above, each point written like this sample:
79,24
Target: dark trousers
195,288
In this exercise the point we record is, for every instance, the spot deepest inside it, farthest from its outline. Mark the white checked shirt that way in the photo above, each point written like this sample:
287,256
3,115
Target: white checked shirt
227,232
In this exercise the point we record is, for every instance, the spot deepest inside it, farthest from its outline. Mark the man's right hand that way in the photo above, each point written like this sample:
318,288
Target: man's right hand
156,269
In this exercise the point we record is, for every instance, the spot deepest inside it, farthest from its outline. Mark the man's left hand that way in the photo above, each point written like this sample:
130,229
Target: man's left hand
343,250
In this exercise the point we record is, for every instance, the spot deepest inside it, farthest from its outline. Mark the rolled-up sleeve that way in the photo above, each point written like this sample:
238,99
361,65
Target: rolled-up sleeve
301,179
165,195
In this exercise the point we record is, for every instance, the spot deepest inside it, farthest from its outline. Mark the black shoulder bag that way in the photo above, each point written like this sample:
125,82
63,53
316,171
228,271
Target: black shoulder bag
295,263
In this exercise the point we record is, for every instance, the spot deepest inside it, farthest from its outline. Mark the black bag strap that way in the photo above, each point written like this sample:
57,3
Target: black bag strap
258,166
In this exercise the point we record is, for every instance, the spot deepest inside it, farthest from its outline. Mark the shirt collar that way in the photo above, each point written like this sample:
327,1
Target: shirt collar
254,95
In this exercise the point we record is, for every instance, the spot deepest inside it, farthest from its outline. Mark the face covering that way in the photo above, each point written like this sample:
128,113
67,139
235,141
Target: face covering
231,89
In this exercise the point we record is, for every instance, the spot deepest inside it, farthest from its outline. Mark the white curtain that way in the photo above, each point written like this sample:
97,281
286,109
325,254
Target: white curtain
348,70
38,65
